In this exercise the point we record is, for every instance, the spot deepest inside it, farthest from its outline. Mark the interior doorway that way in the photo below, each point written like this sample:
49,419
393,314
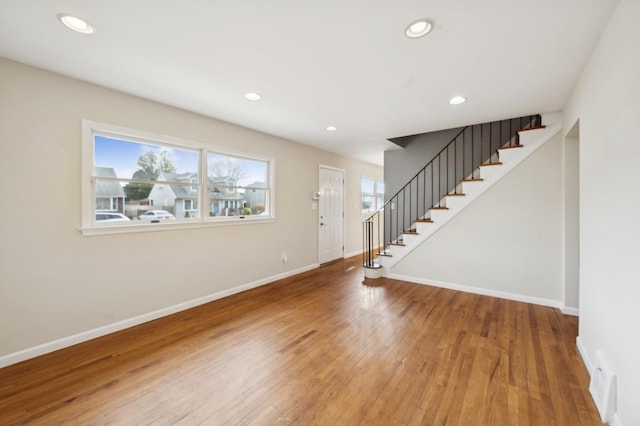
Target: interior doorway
331,214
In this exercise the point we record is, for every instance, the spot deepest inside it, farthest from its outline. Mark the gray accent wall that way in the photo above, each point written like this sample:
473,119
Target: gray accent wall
403,164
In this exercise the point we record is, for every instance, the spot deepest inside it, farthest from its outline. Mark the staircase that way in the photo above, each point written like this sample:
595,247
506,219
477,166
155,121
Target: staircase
471,163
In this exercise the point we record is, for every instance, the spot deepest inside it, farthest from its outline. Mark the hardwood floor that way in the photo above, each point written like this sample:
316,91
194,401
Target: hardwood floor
318,348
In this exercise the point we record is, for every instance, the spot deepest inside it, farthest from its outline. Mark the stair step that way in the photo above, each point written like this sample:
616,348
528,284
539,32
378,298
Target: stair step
507,155
509,147
439,213
487,170
454,200
532,128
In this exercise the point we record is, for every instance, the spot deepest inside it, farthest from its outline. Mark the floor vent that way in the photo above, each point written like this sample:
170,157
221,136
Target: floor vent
603,388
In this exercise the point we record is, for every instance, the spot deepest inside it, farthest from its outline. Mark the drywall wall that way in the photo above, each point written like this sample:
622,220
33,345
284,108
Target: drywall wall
606,101
402,164
507,241
572,221
57,283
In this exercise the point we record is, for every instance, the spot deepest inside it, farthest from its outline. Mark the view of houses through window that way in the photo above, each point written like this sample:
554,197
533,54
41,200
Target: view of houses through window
372,194
141,180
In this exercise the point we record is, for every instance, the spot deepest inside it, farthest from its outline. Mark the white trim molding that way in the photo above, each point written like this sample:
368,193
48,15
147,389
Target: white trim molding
22,355
583,353
567,310
482,291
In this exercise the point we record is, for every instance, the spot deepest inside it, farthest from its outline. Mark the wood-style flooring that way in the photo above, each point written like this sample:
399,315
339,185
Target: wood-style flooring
320,348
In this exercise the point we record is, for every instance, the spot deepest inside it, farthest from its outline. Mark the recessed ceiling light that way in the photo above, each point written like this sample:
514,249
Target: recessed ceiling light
332,128
457,100
252,96
76,24
418,28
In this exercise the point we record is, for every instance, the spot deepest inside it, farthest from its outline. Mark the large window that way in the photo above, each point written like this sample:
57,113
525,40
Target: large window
162,182
372,194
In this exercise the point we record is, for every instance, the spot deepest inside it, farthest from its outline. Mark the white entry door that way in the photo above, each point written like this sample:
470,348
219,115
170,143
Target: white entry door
331,212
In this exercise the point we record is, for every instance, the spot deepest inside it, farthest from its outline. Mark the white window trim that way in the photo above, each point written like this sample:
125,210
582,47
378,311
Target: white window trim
375,194
191,202
90,226
113,206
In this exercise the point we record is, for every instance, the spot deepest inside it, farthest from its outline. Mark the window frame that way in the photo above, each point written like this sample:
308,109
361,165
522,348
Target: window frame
191,203
89,225
113,205
375,208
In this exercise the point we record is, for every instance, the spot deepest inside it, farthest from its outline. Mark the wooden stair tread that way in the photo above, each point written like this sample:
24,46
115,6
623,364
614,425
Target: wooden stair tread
472,180
410,232
509,147
532,128
490,164
424,220
397,244
454,195
439,208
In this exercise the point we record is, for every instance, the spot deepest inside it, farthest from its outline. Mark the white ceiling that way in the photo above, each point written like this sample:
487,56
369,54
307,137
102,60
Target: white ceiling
318,63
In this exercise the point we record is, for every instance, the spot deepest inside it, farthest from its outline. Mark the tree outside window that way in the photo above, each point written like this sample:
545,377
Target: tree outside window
140,173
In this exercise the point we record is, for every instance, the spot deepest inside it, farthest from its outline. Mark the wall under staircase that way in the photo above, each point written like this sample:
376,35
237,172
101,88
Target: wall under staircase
504,238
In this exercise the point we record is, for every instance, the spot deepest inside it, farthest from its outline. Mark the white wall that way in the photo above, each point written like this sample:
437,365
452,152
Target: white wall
606,100
571,188
507,241
55,283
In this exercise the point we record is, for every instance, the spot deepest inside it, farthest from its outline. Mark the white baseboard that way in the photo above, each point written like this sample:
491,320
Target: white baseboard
22,355
483,291
616,420
587,362
570,311
353,253
583,353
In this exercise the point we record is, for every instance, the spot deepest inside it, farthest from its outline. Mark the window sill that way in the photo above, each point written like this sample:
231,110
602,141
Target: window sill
171,226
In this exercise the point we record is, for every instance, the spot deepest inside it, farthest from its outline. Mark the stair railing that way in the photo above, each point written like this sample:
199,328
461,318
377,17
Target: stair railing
456,162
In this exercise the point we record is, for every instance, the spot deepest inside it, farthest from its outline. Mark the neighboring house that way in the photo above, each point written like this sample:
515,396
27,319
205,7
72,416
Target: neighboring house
109,195
176,199
182,200
224,197
255,197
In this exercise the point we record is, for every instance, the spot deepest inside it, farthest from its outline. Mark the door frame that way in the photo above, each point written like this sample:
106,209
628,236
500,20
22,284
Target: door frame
344,205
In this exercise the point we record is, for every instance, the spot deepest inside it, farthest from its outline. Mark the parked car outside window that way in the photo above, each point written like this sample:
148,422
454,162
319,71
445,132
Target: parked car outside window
111,217
156,214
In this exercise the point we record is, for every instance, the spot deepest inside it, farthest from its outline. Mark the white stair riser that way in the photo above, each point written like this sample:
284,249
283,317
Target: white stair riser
410,238
488,171
438,215
470,187
423,227
509,155
395,250
383,260
527,137
454,201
